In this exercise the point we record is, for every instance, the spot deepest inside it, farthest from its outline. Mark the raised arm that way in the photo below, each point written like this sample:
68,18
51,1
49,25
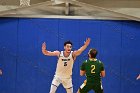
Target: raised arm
138,77
49,53
80,50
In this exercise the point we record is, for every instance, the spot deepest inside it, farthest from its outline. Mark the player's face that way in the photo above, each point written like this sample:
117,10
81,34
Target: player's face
68,48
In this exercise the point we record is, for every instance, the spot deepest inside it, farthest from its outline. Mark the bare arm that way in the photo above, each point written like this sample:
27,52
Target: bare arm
138,77
80,50
82,72
0,72
103,73
49,53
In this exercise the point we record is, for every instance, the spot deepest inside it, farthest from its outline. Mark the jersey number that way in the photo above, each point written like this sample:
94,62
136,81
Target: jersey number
92,68
65,63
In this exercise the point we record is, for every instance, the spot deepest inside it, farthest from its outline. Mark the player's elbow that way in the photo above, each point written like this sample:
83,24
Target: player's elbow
102,73
82,73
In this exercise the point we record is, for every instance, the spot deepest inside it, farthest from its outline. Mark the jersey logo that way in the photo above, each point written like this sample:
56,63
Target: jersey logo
65,59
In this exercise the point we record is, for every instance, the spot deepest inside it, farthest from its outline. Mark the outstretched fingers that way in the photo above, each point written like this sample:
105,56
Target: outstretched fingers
44,46
87,41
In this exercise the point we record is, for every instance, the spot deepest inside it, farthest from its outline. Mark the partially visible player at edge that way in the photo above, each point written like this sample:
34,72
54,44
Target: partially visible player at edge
138,77
94,70
64,65
0,72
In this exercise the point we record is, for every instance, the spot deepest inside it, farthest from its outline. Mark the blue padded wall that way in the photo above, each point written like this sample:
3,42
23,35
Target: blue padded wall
27,70
111,54
8,54
48,32
27,56
130,56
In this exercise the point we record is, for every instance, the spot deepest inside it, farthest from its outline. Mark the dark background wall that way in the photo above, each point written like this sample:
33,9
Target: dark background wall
27,70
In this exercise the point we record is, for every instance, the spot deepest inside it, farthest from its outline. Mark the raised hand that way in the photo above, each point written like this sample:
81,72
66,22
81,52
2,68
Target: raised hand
44,46
87,41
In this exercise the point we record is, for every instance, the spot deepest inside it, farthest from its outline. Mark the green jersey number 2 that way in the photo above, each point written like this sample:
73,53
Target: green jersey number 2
92,68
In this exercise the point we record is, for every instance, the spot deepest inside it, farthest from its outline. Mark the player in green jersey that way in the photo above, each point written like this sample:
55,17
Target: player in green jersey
94,70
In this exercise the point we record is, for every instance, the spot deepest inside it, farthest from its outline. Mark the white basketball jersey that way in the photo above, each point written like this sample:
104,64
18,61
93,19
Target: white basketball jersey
64,65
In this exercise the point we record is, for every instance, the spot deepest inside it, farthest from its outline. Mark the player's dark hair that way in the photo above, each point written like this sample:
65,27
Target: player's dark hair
67,42
93,52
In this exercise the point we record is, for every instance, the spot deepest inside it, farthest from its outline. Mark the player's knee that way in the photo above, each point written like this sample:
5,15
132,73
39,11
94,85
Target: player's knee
69,90
52,91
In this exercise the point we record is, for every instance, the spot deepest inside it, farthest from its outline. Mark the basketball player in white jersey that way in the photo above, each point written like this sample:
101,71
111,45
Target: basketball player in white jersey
64,65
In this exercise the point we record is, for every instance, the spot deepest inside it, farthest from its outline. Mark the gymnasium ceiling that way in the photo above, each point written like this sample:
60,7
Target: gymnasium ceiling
104,9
